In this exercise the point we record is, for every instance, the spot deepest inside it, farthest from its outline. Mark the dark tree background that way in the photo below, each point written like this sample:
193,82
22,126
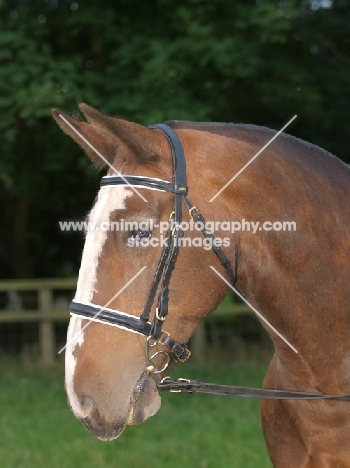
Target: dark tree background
238,61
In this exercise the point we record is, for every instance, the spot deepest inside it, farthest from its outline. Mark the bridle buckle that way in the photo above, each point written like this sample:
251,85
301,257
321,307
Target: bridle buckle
180,379
192,209
159,317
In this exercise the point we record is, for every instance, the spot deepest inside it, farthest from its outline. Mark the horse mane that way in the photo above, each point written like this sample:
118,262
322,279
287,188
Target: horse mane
259,136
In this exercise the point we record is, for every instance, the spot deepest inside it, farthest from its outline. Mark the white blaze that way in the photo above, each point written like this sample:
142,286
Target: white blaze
108,200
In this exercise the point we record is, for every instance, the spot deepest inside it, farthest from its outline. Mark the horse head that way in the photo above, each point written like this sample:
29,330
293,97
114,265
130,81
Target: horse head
297,279
106,380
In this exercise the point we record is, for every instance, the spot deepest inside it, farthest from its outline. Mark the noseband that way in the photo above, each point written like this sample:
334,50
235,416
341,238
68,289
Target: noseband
154,330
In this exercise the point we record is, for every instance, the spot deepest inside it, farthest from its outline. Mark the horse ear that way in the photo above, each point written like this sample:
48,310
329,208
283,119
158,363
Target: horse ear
114,139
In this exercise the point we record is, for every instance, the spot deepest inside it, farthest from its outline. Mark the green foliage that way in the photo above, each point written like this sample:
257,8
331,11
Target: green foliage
245,61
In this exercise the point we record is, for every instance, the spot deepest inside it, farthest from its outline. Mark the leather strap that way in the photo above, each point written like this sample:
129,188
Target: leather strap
180,184
178,156
195,386
143,181
157,277
225,262
179,350
110,316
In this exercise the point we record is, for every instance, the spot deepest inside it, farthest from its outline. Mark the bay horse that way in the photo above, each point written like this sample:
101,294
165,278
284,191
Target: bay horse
298,280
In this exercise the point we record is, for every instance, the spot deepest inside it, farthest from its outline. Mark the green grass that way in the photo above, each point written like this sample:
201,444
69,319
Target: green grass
193,431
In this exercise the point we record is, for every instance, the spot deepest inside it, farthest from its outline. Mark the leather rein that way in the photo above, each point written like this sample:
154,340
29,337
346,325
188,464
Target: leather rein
156,335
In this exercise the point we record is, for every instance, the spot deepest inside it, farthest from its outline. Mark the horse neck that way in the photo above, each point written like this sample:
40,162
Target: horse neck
289,275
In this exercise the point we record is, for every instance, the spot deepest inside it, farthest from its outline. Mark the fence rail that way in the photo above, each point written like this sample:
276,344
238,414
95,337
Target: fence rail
47,313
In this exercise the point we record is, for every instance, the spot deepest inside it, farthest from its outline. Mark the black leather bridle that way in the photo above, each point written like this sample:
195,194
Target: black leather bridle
154,330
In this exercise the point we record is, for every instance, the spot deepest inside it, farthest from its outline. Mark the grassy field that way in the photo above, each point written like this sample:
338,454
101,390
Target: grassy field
193,431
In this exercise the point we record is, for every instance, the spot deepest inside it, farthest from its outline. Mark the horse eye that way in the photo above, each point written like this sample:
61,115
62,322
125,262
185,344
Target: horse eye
140,234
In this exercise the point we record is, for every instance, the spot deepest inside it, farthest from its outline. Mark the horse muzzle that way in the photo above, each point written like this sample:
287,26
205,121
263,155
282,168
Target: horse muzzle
144,402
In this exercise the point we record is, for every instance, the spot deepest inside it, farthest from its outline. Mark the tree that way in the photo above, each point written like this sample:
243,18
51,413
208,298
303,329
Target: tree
246,61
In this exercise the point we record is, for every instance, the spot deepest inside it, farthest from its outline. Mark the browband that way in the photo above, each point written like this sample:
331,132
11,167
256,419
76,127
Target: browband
147,182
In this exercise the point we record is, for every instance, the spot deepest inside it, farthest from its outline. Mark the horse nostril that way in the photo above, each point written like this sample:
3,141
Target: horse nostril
86,405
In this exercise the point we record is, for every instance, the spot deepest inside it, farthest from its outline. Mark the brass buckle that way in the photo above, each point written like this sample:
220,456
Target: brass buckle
180,379
188,352
186,358
191,209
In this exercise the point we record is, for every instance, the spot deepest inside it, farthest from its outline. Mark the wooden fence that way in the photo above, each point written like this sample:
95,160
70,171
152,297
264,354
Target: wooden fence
49,312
